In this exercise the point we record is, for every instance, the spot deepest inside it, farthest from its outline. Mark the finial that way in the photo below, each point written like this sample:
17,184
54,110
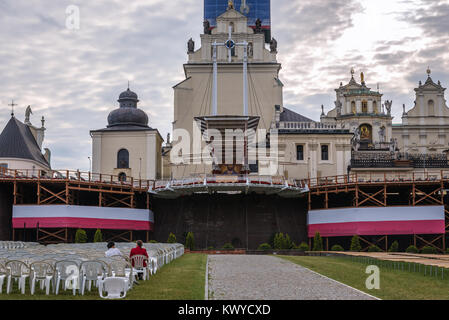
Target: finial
322,110
43,121
429,71
362,77
128,84
352,72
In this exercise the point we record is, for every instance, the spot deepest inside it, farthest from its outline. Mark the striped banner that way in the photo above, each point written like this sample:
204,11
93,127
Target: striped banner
376,221
67,216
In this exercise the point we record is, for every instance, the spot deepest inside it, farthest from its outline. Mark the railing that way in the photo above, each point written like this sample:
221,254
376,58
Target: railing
202,180
367,159
376,178
308,125
72,175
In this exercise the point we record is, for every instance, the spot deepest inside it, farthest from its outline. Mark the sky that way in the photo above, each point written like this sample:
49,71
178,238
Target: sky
74,76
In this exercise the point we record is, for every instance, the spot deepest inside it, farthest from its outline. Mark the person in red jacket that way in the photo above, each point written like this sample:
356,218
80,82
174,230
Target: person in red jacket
138,250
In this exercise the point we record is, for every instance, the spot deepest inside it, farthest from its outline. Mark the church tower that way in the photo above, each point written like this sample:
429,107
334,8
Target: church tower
194,96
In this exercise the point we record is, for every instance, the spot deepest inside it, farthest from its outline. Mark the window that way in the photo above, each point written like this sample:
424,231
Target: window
123,159
431,108
300,152
122,176
353,108
324,152
364,107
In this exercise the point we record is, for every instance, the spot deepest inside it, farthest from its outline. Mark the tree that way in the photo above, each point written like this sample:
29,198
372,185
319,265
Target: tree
355,244
171,238
317,242
190,241
80,236
288,244
98,237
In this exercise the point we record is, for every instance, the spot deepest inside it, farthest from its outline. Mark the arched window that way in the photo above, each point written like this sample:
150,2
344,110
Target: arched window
364,106
431,108
122,176
231,24
123,159
353,107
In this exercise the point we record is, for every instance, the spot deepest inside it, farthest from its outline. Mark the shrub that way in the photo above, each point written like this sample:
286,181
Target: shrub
288,243
171,238
190,241
153,241
412,249
264,246
210,248
98,237
355,244
279,241
428,250
394,247
374,248
317,242
303,247
228,246
337,247
80,236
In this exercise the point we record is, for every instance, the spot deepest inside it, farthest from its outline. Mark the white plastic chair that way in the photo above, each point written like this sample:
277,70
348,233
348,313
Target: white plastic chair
19,271
2,276
138,262
91,271
115,287
65,270
43,272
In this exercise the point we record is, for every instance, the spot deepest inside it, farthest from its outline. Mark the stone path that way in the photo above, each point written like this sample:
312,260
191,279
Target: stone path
250,277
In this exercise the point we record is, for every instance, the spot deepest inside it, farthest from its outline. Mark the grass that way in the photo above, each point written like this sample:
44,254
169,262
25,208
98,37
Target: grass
394,284
182,279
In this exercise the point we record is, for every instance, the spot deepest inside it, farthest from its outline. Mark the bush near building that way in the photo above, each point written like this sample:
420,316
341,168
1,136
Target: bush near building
98,237
337,247
412,249
429,250
171,238
264,246
317,242
394,247
374,248
190,241
355,244
80,236
303,247
228,246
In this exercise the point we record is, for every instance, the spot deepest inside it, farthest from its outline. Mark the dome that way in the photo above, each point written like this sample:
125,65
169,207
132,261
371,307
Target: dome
128,114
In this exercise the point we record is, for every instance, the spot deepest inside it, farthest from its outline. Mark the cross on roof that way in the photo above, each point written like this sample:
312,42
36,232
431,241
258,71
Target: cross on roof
12,104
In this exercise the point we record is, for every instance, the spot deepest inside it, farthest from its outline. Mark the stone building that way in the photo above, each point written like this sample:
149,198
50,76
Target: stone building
127,147
21,146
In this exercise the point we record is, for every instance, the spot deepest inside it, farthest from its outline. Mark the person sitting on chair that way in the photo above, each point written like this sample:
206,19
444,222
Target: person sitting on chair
112,250
138,250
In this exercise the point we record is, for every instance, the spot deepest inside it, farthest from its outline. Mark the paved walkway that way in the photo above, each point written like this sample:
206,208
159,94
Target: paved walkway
251,277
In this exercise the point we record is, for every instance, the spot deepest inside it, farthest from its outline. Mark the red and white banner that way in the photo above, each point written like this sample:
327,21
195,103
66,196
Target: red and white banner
66,216
376,221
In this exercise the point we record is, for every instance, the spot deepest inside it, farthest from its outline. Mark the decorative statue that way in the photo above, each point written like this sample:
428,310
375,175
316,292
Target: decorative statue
191,46
356,140
206,25
403,107
382,134
230,4
28,112
388,105
273,45
338,105
258,26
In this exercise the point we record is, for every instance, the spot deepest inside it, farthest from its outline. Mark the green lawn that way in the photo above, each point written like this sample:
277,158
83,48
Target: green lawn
394,284
182,279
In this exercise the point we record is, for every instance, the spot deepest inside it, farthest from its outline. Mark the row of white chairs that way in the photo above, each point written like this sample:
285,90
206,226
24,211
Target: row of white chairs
75,266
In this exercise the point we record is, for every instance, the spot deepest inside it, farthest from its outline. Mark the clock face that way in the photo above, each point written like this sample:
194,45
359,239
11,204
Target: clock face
230,44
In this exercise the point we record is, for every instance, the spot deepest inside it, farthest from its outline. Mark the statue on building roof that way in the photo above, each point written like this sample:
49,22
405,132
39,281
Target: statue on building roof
273,45
230,4
388,105
206,25
258,28
191,46
28,112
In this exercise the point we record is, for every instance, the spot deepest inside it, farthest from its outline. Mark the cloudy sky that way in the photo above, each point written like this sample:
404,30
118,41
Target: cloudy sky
74,77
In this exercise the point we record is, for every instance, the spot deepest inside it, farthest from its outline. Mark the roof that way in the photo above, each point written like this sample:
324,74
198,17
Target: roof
291,116
17,141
